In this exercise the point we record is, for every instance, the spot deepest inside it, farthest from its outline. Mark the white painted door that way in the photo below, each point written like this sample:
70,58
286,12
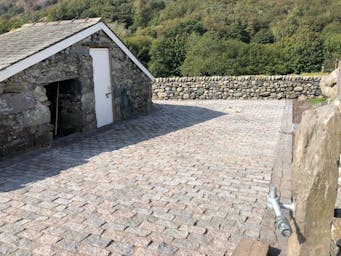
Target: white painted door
102,84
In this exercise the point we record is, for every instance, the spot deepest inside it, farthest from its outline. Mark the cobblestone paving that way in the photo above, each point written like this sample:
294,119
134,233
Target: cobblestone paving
189,179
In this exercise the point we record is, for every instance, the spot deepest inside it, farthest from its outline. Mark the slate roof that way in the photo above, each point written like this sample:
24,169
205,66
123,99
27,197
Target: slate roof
32,38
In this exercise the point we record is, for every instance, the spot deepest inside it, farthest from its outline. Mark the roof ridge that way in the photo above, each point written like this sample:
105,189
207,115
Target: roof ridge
37,42
86,20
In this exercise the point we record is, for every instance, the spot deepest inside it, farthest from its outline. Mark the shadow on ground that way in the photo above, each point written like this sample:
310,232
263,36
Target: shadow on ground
76,149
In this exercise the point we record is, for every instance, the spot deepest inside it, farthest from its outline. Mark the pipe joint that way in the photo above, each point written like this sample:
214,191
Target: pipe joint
274,203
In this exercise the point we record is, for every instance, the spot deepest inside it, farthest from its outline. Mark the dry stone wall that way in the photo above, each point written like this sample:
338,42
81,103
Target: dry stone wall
236,87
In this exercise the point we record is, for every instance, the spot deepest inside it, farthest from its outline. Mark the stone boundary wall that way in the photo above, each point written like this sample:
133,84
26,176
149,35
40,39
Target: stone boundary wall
236,87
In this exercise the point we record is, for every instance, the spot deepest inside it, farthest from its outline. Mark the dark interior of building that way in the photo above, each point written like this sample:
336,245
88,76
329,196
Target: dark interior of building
65,106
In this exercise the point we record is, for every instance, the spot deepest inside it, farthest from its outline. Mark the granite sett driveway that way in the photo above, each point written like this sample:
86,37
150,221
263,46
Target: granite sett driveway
189,179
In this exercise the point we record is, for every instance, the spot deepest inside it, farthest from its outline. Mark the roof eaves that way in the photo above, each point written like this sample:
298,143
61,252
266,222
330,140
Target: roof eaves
58,46
97,20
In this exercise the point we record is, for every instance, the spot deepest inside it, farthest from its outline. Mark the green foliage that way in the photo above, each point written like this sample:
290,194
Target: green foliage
236,31
317,101
145,10
212,55
206,37
4,26
119,29
140,45
7,25
263,36
179,9
112,10
262,59
180,27
209,55
331,28
167,55
332,51
304,52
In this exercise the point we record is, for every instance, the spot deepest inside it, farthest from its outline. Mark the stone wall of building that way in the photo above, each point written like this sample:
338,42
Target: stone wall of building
232,87
131,88
24,112
25,123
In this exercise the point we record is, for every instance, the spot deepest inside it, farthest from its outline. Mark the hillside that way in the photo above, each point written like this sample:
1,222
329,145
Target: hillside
207,37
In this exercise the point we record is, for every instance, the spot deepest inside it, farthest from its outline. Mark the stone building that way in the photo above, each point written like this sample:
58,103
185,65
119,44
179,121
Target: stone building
58,78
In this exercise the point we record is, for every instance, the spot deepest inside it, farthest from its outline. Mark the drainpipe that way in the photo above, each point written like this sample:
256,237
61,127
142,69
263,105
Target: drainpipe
282,223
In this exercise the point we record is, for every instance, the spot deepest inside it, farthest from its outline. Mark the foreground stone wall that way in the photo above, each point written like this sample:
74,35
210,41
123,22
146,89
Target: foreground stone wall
314,180
232,87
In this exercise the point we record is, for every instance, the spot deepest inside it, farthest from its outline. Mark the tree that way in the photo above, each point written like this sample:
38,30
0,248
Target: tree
304,52
332,51
236,31
232,36
120,11
144,11
263,36
210,55
167,55
140,45
181,27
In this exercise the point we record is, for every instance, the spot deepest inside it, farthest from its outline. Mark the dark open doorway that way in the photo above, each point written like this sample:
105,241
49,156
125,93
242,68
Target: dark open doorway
65,107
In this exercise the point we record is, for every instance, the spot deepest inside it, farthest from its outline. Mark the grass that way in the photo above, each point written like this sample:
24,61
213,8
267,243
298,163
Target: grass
317,101
314,74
